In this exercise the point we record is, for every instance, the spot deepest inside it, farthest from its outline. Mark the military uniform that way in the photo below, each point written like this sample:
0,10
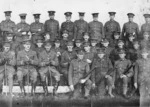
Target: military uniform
77,69
51,27
96,29
8,61
69,27
130,28
81,27
110,27
7,25
122,68
26,61
22,29
103,67
36,28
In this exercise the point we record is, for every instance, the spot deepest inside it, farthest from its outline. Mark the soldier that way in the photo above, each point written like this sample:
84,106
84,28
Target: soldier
64,41
96,29
36,28
88,56
94,46
7,25
26,62
130,27
142,78
110,27
8,61
69,26
66,58
22,28
145,43
77,69
124,72
86,38
78,45
129,44
51,26
48,61
103,74
146,26
115,41
81,26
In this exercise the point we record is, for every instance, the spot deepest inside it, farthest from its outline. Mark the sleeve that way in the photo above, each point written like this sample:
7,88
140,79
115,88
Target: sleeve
55,59
123,31
118,27
130,74
105,29
75,30
34,61
93,73
70,74
58,29
103,33
136,72
4,28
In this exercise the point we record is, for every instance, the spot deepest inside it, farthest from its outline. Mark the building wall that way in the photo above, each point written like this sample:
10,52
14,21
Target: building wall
122,7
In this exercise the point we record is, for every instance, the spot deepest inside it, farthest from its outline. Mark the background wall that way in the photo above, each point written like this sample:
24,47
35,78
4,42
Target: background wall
122,7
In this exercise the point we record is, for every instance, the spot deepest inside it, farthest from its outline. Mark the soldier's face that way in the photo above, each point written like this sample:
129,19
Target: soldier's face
86,37
7,17
78,44
27,46
122,55
23,20
6,48
112,17
131,19
80,56
136,46
9,38
81,17
116,36
95,18
105,44
47,37
48,48
57,45
131,38
145,55
65,35
147,20
101,55
36,19
93,43
120,45
51,16
39,44
146,36
87,48
70,48
68,18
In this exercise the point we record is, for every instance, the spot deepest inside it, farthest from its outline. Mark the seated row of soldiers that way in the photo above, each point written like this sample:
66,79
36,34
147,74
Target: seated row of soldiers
73,61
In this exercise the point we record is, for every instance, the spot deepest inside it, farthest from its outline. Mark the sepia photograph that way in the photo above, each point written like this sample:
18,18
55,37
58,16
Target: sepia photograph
75,53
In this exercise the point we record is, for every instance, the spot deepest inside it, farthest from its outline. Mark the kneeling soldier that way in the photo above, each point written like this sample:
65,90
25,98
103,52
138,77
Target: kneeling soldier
77,69
8,62
103,74
48,61
26,61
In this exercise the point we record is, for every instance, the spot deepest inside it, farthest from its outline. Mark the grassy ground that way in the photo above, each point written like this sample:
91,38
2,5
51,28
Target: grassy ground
63,100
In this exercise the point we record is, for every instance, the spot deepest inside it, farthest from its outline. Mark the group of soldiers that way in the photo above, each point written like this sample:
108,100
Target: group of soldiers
98,56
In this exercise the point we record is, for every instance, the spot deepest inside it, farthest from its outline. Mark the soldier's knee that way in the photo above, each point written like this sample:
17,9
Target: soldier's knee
125,80
20,75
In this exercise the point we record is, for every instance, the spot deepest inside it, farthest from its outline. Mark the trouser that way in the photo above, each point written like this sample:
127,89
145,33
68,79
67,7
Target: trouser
144,89
7,73
64,71
79,89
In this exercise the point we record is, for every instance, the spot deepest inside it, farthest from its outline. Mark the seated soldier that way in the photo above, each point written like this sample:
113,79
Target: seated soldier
78,45
7,61
103,74
48,61
77,69
124,72
26,62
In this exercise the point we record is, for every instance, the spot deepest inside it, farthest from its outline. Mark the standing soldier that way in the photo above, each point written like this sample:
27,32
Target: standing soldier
8,61
26,62
96,29
51,26
69,26
66,58
102,74
142,78
22,28
124,72
77,69
48,61
130,27
81,26
111,27
36,28
7,25
146,26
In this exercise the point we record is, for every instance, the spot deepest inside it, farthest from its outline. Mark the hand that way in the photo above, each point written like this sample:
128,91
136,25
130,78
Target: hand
93,86
135,85
19,30
82,81
106,76
65,63
88,61
123,76
39,30
23,33
72,87
58,54
113,86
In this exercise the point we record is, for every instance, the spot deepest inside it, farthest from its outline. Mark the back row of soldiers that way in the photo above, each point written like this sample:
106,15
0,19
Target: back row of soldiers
44,49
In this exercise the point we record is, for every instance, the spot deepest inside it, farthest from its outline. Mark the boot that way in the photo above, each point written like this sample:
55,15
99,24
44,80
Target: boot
45,88
110,92
33,88
55,89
